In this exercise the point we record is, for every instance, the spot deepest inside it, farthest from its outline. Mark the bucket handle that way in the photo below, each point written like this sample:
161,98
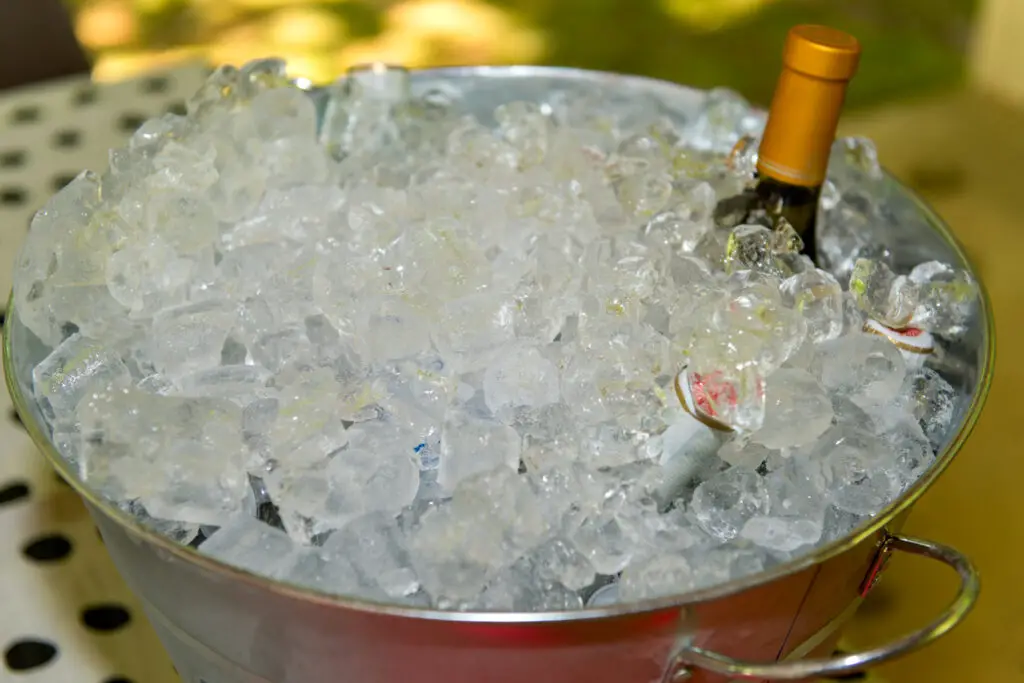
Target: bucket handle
691,657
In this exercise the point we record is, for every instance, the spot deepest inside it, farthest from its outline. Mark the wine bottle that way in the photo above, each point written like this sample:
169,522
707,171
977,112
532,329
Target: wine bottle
818,64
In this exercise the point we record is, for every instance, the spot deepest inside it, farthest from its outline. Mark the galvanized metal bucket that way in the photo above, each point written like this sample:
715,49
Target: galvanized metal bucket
224,625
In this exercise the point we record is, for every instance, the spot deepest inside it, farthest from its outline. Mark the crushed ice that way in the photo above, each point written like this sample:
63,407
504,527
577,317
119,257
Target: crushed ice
409,356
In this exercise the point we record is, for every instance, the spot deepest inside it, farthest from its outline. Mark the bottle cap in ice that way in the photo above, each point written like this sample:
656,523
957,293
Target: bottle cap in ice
693,395
911,340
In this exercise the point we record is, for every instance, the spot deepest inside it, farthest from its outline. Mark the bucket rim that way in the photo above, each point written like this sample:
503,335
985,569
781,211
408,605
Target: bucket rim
225,571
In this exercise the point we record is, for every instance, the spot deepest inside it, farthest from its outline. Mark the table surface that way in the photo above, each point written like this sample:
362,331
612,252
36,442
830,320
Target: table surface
69,617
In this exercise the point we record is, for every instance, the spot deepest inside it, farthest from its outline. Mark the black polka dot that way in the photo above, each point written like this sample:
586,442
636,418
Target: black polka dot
48,548
12,196
84,96
155,84
177,108
67,138
14,491
26,114
105,618
12,158
3,317
13,416
117,679
61,180
130,122
29,653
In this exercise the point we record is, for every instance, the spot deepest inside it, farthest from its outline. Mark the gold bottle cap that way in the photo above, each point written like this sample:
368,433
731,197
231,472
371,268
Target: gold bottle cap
821,52
817,63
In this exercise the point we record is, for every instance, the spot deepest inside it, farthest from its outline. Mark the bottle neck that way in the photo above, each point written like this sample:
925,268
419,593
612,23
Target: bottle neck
801,127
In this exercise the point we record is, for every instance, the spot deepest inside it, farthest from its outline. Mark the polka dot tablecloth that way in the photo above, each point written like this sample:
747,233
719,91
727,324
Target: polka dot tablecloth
65,614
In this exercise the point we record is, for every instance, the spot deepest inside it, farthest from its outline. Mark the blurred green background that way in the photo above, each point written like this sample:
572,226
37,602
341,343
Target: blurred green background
911,47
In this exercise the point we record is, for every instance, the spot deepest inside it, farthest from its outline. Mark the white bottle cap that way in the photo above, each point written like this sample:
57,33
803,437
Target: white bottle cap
698,409
910,339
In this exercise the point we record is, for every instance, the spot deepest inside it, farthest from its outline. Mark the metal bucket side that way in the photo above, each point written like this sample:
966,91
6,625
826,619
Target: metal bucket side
249,628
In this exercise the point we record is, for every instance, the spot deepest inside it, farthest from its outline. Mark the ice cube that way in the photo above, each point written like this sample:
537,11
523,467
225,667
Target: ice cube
725,502
745,454
747,332
855,154
239,383
888,298
606,541
645,193
550,438
182,458
75,368
474,323
558,560
284,113
520,376
520,588
855,224
375,546
336,477
762,249
933,401
471,445
855,468
492,519
245,542
309,400
185,223
797,410
682,224
59,275
912,454
330,573
525,128
795,512
839,523
190,337
656,577
275,349
867,369
817,296
724,117
946,298
148,275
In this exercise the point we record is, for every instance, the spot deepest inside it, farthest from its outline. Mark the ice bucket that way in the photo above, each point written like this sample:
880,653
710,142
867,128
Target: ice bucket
223,625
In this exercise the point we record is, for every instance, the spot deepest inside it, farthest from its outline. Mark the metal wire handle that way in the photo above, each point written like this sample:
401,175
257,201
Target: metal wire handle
691,657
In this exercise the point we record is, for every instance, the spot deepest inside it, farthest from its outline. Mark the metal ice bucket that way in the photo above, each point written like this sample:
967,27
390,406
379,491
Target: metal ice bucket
223,625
